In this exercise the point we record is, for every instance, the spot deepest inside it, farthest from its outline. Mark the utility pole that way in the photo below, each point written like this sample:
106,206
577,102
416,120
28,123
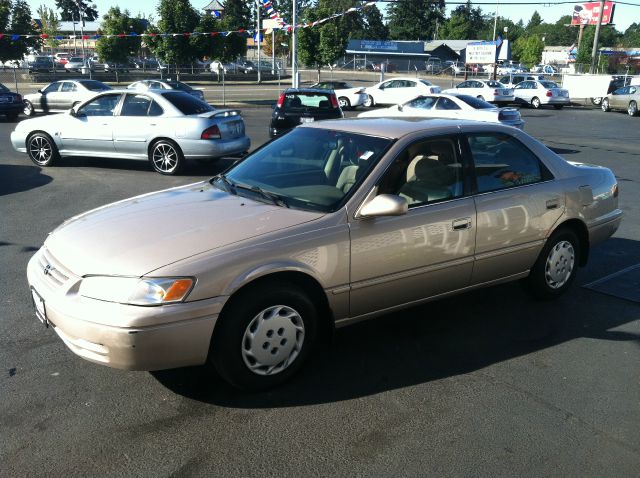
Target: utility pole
258,38
594,51
294,59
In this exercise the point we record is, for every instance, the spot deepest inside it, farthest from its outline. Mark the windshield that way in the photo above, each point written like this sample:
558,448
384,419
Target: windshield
187,104
309,168
94,85
476,102
178,85
549,84
3,88
75,59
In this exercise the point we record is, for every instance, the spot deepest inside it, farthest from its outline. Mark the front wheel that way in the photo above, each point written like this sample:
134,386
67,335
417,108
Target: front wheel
28,108
535,102
41,149
166,157
263,336
632,110
596,101
344,103
556,266
369,102
605,105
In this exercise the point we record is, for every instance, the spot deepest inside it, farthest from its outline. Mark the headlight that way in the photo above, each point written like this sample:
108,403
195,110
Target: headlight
136,291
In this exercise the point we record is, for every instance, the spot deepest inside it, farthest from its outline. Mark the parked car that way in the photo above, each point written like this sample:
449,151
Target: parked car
625,99
59,96
61,58
539,93
11,104
165,127
144,85
456,67
382,66
450,106
348,95
615,83
122,67
296,106
398,90
433,65
544,69
511,81
475,68
333,223
489,90
42,64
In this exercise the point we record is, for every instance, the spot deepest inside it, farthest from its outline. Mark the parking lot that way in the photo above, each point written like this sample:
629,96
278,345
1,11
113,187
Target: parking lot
490,383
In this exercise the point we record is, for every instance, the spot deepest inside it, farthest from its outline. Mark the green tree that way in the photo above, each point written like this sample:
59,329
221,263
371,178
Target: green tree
535,21
237,15
21,24
631,36
528,50
70,10
557,33
116,22
464,23
50,25
176,16
415,19
207,46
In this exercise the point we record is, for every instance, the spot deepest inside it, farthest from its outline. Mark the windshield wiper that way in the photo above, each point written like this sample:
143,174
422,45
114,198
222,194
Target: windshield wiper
276,199
230,186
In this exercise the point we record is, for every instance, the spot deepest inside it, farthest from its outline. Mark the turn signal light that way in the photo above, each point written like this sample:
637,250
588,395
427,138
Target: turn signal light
334,101
178,290
212,132
281,100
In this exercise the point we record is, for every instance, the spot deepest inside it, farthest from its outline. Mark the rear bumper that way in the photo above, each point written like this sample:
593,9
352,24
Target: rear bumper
11,108
201,148
559,100
604,228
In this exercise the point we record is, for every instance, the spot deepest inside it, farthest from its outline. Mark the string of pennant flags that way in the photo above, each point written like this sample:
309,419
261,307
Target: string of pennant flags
267,4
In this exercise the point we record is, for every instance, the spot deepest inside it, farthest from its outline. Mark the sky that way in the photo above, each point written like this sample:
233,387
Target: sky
623,17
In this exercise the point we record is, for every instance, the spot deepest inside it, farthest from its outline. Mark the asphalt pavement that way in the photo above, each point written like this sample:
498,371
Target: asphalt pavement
489,383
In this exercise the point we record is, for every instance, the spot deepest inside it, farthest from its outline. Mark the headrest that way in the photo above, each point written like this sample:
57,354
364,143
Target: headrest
426,167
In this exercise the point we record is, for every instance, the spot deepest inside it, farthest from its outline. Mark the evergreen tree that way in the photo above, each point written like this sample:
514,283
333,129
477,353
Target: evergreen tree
631,36
465,23
21,24
50,25
535,20
115,22
528,50
207,46
237,15
70,10
415,19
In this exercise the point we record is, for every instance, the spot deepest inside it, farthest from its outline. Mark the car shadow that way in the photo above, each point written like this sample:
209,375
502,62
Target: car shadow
435,341
19,178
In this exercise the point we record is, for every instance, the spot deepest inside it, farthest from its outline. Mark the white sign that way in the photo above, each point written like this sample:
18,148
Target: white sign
482,54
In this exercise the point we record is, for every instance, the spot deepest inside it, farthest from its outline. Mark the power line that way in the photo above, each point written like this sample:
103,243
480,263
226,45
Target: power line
545,4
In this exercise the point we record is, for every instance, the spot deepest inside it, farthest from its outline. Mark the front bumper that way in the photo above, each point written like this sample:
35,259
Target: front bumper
119,335
19,141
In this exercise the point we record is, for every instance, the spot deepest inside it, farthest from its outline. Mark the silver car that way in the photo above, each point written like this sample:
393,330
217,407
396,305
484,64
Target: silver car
164,127
625,99
541,92
335,222
59,96
144,85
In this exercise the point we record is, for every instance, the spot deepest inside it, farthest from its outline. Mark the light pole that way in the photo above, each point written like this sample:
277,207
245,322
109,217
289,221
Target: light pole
294,55
258,37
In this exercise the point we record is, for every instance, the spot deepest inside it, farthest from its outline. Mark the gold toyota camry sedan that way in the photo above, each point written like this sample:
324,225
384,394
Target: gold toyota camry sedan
335,222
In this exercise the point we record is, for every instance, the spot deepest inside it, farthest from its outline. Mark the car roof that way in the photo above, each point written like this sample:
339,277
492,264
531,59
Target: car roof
306,90
392,128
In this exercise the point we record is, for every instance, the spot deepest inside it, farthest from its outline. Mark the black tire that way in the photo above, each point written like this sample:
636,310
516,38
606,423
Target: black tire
551,276
605,105
230,340
632,110
535,102
28,109
166,157
558,107
344,103
596,101
42,149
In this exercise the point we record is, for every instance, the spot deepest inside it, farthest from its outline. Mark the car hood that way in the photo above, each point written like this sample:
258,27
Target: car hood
138,235
41,122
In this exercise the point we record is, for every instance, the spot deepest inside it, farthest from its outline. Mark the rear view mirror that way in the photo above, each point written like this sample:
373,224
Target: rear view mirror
385,205
400,107
40,91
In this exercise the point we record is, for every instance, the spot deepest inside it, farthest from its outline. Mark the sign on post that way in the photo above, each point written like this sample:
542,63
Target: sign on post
587,13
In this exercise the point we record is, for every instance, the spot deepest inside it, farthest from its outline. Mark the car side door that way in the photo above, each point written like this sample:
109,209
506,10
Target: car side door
90,129
47,99
618,98
135,124
428,251
517,201
522,92
67,95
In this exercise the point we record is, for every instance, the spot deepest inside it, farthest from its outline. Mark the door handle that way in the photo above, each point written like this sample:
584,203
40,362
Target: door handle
463,223
553,203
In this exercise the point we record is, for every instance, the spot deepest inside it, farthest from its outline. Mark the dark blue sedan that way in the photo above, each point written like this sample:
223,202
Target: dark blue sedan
11,104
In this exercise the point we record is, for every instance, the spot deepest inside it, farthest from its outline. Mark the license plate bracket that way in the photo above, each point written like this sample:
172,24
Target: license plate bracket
41,310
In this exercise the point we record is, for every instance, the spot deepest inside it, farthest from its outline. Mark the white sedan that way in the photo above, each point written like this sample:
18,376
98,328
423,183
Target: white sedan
488,90
542,92
450,106
398,90
348,95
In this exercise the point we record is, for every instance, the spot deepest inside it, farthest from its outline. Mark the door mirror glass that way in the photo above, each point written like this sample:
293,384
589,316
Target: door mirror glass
385,205
400,107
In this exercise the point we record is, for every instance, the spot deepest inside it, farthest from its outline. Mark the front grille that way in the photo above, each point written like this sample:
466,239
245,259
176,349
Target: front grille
55,273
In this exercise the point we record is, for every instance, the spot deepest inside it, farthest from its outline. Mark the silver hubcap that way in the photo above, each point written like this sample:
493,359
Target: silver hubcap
633,108
273,340
27,109
165,158
342,102
560,263
605,105
535,102
40,149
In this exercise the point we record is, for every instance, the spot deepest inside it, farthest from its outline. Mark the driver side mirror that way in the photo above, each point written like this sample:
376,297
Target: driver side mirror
400,107
384,205
40,91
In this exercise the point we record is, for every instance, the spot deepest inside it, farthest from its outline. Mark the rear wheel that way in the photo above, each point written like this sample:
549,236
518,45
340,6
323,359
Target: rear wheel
535,102
41,149
28,108
344,103
605,105
166,157
556,266
263,336
632,110
596,101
